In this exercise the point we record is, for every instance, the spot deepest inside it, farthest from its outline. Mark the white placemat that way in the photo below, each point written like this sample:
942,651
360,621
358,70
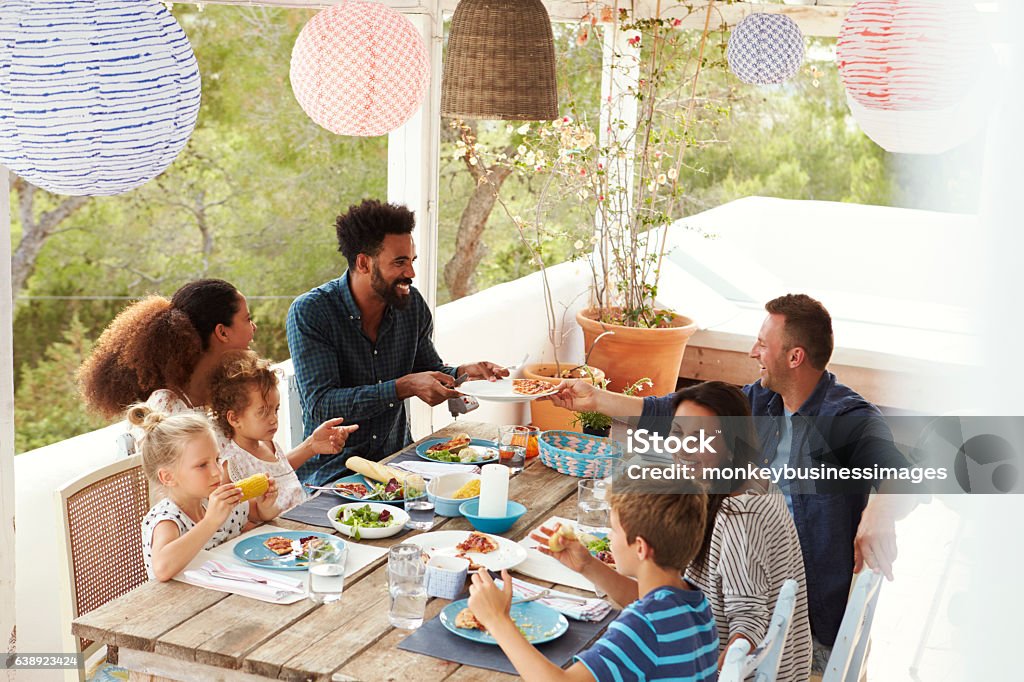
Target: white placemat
359,556
544,567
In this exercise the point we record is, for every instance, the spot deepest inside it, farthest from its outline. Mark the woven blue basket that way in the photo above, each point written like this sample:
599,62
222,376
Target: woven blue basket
578,454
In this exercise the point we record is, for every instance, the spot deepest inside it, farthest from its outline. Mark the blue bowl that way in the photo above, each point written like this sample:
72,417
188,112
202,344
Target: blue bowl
492,524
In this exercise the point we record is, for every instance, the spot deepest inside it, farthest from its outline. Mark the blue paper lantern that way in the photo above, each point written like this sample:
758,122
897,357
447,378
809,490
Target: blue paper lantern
766,49
97,97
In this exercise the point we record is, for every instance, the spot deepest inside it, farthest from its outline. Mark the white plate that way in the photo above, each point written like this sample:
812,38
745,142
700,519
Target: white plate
400,515
442,543
499,391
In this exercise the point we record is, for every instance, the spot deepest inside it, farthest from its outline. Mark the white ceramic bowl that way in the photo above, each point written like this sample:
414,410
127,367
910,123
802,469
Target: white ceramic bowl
400,515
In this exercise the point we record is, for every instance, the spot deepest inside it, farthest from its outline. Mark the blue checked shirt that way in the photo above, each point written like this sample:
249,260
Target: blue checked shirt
341,373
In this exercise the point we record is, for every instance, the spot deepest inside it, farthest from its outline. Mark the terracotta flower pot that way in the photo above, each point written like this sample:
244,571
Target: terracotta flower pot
632,353
543,413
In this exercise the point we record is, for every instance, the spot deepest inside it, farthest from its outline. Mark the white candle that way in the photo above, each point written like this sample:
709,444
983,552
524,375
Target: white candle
493,490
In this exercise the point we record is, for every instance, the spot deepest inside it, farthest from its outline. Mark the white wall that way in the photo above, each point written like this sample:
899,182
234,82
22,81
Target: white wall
503,323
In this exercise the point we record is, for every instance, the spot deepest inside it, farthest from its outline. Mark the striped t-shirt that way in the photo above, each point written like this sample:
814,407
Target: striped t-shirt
754,550
669,634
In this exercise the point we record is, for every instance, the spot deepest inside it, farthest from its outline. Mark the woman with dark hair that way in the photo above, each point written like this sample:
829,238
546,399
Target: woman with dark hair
750,545
164,351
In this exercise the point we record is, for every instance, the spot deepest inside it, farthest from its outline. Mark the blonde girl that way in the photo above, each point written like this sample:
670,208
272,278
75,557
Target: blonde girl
245,400
200,510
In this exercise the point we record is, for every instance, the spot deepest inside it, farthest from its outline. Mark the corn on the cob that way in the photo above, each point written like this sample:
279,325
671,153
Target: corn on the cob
253,486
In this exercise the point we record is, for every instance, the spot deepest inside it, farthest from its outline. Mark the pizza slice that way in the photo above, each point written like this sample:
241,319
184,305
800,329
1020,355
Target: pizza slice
454,445
530,387
478,542
278,545
465,620
352,489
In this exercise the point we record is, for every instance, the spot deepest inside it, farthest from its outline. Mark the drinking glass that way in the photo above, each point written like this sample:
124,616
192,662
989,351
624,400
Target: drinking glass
532,442
327,571
593,506
418,505
407,586
512,447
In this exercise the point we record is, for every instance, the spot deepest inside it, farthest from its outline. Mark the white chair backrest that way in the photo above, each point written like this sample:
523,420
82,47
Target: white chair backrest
847,660
99,516
764,661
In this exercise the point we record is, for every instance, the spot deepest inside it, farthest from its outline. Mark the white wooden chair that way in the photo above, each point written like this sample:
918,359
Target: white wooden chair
763,662
846,664
100,518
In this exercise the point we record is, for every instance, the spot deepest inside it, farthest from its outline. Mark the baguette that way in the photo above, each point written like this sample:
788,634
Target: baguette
376,470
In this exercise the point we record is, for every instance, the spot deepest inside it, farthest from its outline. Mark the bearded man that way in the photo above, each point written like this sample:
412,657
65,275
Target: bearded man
363,343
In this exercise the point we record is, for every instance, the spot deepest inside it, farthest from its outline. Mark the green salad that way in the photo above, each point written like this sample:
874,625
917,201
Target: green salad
365,517
599,545
468,454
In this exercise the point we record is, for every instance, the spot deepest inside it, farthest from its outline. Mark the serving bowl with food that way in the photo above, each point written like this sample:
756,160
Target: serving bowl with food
449,491
369,521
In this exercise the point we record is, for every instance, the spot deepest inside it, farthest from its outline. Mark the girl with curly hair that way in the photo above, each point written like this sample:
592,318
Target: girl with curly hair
164,351
244,402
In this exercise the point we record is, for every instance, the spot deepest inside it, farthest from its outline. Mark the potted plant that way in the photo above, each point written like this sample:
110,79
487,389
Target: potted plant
626,185
598,424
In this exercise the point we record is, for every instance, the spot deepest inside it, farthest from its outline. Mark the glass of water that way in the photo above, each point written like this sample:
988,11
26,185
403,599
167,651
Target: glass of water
418,505
407,586
327,571
593,505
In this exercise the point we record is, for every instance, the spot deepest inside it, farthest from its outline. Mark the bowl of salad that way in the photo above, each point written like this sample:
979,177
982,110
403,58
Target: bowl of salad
368,520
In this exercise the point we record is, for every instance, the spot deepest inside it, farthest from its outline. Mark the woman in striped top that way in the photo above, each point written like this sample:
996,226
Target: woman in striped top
750,546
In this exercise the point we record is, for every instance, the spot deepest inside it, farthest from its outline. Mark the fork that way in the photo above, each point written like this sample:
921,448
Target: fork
214,573
519,364
545,594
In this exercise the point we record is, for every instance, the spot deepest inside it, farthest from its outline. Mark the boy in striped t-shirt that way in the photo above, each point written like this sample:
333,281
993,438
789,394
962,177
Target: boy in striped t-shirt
666,634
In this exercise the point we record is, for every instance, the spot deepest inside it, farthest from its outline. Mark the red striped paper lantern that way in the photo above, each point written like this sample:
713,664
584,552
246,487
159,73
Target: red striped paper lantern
909,54
359,68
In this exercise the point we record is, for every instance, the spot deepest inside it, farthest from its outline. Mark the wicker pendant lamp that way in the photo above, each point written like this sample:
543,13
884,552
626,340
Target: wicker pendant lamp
500,62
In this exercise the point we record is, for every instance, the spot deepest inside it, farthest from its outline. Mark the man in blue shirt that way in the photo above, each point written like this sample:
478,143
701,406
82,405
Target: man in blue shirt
361,344
816,420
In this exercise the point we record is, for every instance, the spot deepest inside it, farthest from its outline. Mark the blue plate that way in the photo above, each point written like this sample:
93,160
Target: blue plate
421,450
537,622
359,478
253,552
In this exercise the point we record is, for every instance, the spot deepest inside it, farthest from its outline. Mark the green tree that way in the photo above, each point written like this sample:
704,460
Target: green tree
47,401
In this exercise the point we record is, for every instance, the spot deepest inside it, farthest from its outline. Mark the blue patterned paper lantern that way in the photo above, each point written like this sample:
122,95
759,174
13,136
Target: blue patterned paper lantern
765,49
97,97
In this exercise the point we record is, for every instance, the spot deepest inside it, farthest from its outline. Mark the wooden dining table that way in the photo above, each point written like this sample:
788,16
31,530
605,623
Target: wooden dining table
176,631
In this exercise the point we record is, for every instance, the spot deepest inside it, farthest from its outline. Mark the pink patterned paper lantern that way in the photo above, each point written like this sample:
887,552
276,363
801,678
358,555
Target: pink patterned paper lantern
909,54
359,68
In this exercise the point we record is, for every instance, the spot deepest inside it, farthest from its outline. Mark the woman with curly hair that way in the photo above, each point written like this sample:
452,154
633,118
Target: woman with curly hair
163,351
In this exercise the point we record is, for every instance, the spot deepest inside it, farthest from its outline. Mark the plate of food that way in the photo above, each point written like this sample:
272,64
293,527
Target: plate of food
458,450
482,549
537,622
368,521
358,488
507,390
286,550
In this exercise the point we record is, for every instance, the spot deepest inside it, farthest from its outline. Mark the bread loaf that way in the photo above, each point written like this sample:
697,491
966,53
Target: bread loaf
375,470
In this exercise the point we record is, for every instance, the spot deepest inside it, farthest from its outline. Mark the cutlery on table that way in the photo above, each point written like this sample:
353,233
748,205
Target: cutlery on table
214,573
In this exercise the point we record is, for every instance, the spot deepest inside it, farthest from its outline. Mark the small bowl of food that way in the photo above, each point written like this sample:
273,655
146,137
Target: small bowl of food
447,492
368,520
492,524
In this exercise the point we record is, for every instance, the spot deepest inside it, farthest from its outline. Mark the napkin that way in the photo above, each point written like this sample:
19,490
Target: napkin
545,567
590,610
253,583
429,470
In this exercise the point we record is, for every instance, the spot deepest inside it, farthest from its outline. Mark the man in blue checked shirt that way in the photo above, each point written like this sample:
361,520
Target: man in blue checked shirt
361,344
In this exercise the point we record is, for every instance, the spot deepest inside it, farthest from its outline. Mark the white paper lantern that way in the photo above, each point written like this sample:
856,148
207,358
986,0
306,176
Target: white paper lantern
97,97
359,68
766,49
931,131
910,54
